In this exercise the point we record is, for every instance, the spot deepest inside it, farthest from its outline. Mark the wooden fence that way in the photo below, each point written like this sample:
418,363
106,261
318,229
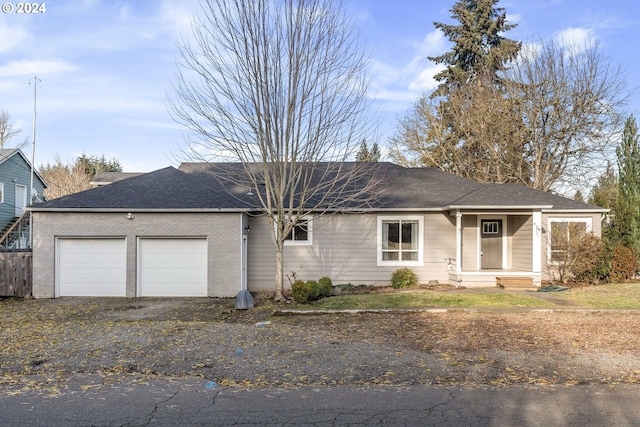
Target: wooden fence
16,274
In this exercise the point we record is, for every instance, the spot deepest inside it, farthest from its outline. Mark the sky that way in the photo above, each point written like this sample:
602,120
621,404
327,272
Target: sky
105,68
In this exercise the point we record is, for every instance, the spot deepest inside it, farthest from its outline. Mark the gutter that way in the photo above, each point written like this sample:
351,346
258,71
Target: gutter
494,207
144,210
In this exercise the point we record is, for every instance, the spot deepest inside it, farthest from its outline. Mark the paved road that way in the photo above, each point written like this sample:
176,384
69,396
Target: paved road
199,402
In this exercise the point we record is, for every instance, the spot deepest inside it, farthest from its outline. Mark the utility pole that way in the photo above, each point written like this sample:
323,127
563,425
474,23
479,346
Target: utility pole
33,157
33,140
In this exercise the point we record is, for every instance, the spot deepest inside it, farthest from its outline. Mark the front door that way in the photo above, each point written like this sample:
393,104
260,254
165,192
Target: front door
491,244
21,199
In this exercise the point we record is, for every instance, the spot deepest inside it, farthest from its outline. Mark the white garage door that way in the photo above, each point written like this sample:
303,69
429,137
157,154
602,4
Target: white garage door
172,267
92,267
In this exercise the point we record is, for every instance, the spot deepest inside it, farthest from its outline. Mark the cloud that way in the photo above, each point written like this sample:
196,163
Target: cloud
398,85
10,36
178,14
578,39
425,80
33,67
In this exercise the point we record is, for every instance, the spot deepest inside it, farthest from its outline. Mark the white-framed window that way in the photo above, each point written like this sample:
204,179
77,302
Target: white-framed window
491,227
560,232
400,240
1,192
301,234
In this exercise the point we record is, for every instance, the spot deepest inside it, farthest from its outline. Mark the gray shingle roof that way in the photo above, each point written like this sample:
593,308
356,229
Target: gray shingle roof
203,186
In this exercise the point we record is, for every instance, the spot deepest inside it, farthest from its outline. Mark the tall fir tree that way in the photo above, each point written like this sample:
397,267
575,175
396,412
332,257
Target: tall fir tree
605,192
479,46
366,155
627,217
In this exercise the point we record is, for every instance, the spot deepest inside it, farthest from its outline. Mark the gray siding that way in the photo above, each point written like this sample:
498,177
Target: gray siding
223,232
520,230
344,249
469,243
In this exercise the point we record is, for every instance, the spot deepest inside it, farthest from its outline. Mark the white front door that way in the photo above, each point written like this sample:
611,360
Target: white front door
21,199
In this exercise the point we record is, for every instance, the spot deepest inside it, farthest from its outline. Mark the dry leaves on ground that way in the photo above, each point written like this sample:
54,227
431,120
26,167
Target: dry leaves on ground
44,343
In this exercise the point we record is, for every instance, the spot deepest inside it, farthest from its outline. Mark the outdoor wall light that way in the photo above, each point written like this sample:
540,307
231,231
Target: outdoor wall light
130,216
247,229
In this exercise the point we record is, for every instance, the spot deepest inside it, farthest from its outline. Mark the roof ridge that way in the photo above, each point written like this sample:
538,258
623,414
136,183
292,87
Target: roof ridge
473,192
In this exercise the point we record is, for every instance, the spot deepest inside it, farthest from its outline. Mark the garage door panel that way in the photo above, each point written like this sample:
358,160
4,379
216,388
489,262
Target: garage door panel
173,267
91,267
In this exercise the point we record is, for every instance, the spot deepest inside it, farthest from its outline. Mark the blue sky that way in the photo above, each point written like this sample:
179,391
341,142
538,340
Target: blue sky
105,67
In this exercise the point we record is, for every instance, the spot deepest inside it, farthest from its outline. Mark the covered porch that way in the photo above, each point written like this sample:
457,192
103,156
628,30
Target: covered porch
495,247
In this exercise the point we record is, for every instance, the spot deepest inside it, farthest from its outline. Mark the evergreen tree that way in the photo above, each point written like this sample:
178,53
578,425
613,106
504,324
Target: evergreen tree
605,192
366,155
93,165
478,47
627,218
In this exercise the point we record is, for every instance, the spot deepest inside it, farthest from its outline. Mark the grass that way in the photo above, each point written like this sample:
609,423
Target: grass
611,296
614,296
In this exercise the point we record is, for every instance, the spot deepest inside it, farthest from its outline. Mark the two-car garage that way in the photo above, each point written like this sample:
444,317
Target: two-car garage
164,267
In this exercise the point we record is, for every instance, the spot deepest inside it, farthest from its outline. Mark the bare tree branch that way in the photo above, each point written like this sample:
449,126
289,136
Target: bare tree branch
280,87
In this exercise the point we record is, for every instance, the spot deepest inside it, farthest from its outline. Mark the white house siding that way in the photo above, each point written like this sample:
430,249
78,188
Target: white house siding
344,249
222,231
520,228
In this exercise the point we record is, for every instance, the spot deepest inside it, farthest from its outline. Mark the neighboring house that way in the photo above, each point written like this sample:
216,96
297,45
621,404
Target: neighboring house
106,178
15,190
180,232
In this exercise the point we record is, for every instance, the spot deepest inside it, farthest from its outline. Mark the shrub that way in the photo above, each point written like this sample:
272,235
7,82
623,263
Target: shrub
314,289
326,287
300,291
589,263
404,278
623,264
578,255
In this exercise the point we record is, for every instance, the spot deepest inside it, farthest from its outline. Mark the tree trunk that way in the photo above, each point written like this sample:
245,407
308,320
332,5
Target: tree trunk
279,273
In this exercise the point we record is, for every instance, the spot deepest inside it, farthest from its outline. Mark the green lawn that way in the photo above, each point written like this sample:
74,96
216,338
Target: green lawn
620,296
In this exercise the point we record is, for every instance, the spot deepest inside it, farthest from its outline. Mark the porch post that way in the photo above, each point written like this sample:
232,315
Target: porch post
458,242
537,242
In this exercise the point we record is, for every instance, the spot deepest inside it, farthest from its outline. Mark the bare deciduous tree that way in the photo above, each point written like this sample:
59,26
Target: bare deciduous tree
474,134
548,125
570,99
7,129
280,87
64,179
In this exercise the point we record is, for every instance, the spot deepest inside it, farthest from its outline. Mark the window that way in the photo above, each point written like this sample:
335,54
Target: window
1,192
301,233
561,230
400,240
491,227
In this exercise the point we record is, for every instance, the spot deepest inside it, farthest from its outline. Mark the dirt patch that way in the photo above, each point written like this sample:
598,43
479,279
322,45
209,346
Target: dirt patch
45,341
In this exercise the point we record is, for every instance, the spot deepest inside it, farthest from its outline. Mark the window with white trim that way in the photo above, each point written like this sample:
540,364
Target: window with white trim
301,234
1,192
400,240
561,230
